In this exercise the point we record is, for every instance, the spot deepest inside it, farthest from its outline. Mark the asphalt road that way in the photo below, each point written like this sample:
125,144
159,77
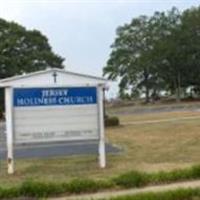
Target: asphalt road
57,149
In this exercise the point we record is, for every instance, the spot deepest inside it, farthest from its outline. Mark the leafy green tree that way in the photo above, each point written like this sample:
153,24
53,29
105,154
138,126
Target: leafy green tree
133,58
157,53
190,34
23,50
179,57
168,52
124,58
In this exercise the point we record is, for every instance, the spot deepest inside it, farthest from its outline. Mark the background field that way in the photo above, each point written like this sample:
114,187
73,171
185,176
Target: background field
148,146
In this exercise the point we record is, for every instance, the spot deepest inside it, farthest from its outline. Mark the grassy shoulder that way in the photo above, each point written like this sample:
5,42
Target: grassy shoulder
133,179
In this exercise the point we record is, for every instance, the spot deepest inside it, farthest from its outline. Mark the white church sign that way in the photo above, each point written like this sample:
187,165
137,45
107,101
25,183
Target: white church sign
55,114
54,105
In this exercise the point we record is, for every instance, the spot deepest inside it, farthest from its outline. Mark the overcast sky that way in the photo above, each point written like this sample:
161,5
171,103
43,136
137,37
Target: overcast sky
82,30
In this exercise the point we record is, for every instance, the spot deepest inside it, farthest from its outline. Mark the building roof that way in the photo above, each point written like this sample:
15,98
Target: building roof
44,77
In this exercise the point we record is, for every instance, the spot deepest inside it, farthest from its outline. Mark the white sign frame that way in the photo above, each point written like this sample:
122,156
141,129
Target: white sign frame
10,119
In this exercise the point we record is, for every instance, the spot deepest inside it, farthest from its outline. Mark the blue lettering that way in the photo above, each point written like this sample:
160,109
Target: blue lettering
54,96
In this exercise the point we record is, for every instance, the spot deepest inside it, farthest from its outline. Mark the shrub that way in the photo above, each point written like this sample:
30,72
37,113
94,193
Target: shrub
111,121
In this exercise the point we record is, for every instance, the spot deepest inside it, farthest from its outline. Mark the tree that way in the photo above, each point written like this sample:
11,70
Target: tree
133,57
23,50
168,53
191,38
124,59
179,58
155,53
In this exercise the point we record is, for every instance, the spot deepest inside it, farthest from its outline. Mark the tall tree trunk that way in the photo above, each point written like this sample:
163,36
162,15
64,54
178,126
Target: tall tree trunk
147,98
147,89
178,88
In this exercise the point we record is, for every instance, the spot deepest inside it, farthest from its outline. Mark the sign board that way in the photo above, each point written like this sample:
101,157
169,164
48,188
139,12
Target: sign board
41,108
55,114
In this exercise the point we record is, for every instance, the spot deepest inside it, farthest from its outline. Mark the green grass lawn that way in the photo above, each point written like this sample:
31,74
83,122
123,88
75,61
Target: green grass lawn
147,147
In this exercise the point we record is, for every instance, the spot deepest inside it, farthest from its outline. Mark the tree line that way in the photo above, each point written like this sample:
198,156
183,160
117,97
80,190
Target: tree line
158,53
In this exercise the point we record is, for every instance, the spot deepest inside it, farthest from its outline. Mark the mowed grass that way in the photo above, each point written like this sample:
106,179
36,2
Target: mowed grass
147,147
158,146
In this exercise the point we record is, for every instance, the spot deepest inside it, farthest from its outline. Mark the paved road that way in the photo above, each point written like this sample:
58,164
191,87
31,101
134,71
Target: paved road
57,149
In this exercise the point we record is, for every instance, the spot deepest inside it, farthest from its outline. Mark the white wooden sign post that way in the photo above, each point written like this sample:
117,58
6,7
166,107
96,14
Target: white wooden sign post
102,153
9,128
53,112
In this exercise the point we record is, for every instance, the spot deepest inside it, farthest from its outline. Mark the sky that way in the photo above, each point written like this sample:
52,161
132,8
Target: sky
82,31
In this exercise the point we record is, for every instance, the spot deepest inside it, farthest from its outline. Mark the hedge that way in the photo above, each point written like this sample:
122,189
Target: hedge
111,121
